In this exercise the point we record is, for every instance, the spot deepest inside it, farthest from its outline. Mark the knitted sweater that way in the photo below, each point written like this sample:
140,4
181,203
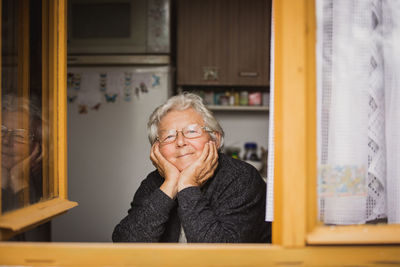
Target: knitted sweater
228,208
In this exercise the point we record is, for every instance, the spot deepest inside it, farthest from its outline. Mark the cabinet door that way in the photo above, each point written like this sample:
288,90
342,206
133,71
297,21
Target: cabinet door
223,42
197,40
248,41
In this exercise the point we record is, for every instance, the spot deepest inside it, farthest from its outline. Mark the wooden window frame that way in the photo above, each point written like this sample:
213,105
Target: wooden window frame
295,184
316,232
296,145
54,76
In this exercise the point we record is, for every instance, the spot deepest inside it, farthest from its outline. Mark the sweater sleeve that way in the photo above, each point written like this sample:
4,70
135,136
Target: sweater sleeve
235,215
147,217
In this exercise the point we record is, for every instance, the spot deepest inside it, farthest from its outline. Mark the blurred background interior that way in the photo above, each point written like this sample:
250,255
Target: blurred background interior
124,59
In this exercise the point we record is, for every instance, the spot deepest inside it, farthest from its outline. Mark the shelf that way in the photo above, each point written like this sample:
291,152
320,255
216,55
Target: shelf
118,60
238,108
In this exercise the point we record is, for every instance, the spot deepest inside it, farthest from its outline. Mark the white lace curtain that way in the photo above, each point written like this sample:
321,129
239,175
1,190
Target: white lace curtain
358,83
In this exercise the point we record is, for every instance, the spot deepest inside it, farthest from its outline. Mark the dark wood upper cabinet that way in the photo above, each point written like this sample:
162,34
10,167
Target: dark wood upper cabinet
223,42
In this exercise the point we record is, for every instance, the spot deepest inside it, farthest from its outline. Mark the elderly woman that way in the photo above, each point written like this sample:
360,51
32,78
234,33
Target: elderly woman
197,194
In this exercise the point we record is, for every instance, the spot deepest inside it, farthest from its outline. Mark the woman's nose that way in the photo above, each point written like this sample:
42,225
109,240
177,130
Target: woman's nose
180,139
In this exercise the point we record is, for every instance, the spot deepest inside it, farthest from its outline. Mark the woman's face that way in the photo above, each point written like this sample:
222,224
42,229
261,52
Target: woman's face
183,152
15,138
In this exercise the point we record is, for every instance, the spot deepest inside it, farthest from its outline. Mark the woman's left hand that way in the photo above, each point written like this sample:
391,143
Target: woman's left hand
202,169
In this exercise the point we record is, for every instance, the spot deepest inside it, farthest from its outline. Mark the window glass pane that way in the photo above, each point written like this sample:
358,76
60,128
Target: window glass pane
26,151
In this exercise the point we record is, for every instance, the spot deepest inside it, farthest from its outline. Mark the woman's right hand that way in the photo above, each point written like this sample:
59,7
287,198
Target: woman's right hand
166,170
20,172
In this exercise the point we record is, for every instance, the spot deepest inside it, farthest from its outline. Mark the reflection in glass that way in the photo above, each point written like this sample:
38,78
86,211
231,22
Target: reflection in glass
21,159
27,169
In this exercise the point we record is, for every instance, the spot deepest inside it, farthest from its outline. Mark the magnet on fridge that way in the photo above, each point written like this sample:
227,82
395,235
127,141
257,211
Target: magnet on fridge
156,80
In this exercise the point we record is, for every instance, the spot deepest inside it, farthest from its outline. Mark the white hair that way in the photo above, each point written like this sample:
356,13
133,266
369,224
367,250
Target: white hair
182,102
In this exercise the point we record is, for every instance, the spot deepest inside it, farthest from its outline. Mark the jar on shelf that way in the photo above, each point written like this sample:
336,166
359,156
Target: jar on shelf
217,98
244,98
209,97
250,151
251,156
231,98
224,100
237,98
233,152
255,99
265,99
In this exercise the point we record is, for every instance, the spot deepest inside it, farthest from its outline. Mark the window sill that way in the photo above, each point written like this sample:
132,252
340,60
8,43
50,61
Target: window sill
355,234
35,214
141,254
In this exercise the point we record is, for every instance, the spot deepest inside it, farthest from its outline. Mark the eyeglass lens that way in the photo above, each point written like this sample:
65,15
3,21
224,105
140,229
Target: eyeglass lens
190,132
18,135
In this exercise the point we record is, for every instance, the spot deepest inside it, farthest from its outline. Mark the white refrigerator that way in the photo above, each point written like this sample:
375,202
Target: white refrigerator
108,148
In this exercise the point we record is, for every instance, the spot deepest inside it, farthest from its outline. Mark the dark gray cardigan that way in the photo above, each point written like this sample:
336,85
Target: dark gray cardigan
230,207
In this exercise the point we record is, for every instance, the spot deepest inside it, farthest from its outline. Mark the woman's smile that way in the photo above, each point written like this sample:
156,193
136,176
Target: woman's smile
185,154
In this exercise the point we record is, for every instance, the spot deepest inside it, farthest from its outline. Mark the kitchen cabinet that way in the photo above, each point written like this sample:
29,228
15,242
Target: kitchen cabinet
223,42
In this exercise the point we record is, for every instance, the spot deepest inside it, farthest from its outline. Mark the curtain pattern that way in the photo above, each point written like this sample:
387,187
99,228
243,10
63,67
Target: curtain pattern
358,122
391,55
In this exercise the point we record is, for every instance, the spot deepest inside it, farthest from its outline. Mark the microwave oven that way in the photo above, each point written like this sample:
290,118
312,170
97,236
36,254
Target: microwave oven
123,27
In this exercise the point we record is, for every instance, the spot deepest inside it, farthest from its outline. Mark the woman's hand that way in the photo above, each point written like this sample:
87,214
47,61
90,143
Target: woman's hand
202,169
20,173
166,170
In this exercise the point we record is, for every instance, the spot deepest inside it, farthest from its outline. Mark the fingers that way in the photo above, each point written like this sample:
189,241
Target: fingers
204,154
164,167
202,169
156,155
209,162
39,158
209,153
214,153
154,158
212,156
35,151
37,154
206,176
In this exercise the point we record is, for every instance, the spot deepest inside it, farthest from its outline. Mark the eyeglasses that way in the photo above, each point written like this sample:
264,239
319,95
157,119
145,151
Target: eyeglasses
190,132
20,136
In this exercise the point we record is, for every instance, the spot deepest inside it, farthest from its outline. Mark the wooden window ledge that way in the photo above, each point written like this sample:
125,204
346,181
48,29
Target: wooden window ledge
229,255
355,234
35,214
